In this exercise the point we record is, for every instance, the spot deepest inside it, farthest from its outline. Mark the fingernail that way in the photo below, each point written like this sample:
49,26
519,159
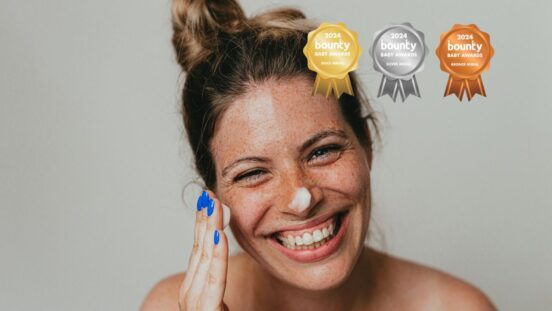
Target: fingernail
202,201
211,207
199,203
216,237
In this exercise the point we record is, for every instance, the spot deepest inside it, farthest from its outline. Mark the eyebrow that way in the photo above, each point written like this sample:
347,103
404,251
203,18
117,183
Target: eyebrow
309,142
321,135
240,160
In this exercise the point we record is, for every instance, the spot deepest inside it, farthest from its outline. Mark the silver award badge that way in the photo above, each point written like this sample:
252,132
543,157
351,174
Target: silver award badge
399,52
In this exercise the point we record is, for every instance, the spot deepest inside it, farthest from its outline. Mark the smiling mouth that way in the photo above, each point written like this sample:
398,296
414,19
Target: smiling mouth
311,238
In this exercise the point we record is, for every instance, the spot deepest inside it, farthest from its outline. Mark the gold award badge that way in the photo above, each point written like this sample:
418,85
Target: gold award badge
332,51
465,53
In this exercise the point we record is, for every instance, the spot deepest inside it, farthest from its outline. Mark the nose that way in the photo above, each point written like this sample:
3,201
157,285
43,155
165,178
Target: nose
302,194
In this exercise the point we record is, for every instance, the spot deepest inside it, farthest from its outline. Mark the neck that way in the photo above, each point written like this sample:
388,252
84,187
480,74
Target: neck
353,294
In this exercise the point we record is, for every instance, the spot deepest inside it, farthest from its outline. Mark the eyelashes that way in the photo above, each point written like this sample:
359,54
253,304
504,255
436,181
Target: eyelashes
325,152
249,175
320,156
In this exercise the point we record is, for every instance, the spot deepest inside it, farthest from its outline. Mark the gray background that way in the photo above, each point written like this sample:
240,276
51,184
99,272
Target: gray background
94,207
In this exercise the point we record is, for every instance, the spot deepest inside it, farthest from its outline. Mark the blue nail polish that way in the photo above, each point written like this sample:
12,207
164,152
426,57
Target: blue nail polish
202,201
217,237
211,207
199,203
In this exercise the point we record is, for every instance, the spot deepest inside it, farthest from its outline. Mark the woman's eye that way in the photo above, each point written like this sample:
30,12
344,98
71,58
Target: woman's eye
326,153
249,176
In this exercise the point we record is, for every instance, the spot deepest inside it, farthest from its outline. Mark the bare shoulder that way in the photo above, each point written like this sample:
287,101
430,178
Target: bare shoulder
430,288
164,294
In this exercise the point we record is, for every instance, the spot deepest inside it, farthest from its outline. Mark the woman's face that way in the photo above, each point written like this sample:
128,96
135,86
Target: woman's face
268,144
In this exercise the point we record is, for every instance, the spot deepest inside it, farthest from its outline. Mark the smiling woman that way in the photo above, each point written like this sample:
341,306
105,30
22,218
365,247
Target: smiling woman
294,170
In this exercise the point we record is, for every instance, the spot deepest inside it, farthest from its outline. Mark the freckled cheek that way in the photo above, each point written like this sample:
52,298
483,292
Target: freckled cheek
344,176
247,209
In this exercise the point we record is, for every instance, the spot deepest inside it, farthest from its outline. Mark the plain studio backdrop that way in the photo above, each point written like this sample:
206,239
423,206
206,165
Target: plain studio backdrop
95,205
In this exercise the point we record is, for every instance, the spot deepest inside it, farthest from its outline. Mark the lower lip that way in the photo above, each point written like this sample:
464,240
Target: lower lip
316,254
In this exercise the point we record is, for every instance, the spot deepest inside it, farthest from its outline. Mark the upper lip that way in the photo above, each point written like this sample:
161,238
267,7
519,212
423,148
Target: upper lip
311,223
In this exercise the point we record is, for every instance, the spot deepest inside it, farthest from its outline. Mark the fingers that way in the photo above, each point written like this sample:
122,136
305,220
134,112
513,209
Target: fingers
214,212
199,233
205,280
203,253
216,281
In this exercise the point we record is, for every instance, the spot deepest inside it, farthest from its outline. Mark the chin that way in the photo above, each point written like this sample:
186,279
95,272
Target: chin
322,276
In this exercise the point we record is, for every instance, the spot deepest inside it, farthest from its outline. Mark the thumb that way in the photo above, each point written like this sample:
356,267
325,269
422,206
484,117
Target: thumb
226,216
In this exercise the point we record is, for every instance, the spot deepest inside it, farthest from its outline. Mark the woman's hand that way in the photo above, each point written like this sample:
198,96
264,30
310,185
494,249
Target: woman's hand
205,281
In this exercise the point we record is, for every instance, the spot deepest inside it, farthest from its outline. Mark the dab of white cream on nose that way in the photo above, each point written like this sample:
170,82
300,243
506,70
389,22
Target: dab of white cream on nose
301,200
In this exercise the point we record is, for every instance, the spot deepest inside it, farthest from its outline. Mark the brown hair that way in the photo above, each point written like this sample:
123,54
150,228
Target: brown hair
223,53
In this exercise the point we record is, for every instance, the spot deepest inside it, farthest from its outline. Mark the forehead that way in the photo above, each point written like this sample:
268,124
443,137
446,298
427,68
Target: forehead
273,113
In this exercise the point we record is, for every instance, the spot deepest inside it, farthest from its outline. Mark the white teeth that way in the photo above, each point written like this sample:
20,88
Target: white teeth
317,236
291,240
307,238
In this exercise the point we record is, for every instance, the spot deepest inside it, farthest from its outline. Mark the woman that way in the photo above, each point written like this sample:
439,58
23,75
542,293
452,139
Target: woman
294,170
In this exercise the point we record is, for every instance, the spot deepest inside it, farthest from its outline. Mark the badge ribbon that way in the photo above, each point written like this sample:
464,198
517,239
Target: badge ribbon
332,51
465,52
399,52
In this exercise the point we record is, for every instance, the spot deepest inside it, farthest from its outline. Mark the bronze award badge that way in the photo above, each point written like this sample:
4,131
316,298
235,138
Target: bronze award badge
332,51
465,52
399,52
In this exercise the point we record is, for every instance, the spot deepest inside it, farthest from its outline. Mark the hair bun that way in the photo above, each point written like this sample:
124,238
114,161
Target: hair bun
196,25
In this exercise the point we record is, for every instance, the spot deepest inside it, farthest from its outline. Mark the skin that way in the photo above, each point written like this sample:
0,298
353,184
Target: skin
274,120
